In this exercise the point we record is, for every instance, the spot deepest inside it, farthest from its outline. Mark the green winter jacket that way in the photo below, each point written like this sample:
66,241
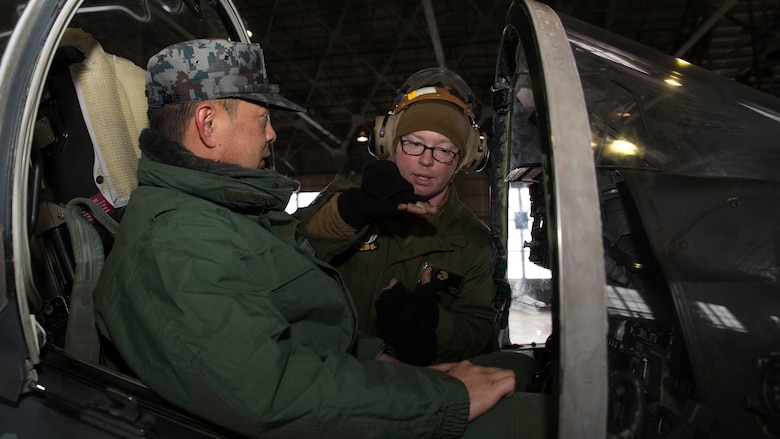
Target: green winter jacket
211,301
454,240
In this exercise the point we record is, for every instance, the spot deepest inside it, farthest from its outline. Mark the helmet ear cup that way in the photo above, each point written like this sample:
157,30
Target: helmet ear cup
380,143
478,143
484,151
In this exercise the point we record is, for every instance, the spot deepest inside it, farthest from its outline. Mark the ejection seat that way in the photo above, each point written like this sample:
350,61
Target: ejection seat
84,163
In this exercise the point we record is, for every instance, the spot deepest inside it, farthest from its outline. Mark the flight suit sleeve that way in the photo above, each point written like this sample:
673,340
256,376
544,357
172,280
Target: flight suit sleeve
322,225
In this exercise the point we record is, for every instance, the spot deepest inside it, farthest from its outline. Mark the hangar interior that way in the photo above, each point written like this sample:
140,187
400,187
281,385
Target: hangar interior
343,61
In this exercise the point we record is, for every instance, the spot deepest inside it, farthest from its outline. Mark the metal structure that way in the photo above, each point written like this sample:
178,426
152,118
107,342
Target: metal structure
344,60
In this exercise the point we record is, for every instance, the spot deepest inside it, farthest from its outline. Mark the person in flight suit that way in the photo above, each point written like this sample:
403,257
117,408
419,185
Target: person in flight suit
386,255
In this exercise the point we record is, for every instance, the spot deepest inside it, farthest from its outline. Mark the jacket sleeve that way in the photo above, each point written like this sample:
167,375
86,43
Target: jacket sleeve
368,347
466,325
199,323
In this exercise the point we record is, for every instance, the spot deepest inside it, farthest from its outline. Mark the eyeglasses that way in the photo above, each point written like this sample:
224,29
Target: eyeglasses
441,155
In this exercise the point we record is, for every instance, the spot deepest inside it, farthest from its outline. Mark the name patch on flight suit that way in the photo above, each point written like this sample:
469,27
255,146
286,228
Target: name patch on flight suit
370,244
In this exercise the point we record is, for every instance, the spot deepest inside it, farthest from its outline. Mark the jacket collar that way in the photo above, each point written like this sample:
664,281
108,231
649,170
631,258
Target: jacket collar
167,163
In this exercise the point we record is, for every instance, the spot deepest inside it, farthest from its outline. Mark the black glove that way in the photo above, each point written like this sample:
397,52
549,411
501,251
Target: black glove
406,320
383,189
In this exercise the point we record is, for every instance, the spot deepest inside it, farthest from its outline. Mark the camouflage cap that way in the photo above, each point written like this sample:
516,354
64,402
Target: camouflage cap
205,69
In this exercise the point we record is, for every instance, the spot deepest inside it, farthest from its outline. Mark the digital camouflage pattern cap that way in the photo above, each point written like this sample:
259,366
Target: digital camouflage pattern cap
205,69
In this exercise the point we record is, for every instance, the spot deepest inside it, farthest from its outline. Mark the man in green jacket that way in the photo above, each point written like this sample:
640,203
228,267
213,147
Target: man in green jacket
212,300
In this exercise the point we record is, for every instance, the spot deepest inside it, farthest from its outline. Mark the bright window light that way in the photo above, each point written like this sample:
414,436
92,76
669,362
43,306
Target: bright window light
720,316
673,81
300,200
623,147
627,302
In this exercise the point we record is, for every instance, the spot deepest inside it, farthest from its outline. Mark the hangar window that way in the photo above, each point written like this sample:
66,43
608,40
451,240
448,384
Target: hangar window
530,318
300,200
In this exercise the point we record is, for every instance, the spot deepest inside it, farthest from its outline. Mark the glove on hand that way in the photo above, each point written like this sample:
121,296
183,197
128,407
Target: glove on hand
383,189
406,320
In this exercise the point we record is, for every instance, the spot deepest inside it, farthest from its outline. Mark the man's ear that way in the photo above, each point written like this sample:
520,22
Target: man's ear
204,121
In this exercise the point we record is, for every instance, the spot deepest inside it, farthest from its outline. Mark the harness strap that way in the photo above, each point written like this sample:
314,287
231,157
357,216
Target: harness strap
81,214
